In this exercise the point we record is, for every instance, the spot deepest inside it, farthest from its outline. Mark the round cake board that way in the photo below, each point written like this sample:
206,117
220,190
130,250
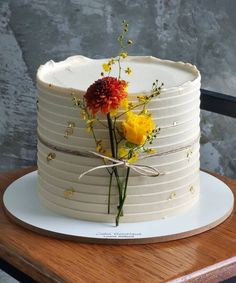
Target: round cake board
215,204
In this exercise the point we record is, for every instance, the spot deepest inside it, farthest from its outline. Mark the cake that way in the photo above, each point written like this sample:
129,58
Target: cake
63,142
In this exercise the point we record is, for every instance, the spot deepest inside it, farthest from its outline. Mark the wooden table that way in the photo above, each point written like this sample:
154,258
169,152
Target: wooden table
208,257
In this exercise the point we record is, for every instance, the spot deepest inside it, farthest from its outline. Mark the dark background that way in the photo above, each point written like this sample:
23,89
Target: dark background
32,32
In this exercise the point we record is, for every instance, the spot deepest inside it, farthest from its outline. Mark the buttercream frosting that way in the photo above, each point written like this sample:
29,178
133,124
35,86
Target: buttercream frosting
175,111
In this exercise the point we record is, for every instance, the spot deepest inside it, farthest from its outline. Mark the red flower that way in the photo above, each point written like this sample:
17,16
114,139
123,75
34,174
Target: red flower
105,94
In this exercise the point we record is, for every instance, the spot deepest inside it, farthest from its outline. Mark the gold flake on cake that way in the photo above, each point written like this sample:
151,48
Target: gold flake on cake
76,100
192,189
69,129
68,193
172,196
189,153
51,156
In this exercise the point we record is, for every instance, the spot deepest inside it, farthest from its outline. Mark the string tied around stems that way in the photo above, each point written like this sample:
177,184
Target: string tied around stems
141,169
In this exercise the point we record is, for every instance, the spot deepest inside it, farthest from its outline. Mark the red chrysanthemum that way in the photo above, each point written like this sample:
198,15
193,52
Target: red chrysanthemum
105,94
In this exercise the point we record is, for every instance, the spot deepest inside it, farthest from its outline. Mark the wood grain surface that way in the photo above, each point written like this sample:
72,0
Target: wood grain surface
208,257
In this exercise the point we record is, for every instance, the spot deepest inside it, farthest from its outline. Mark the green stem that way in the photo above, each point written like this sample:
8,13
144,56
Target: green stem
120,210
116,145
93,133
109,121
103,124
135,106
110,127
109,193
119,68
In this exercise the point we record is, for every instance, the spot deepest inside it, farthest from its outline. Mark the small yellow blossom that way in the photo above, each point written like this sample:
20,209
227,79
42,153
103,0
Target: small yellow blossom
145,111
142,98
99,147
88,128
107,153
90,122
89,125
136,128
133,158
128,71
150,151
113,112
83,114
123,55
76,100
130,105
111,61
106,67
123,152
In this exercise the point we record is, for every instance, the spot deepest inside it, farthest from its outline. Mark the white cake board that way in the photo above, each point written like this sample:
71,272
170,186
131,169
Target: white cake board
214,206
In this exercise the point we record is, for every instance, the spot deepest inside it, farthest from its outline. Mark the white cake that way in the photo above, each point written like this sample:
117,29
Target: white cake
60,127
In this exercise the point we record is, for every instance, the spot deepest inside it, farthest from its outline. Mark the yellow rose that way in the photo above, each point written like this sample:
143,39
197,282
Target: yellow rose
136,128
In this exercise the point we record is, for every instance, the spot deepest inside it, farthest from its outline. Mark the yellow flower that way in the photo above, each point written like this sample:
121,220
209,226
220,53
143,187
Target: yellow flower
125,104
88,128
113,112
106,67
89,125
99,147
145,111
111,61
142,98
130,105
128,71
133,158
83,115
150,151
136,128
76,101
123,152
123,55
107,153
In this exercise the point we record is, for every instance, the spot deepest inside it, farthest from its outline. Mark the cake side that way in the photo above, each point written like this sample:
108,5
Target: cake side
175,111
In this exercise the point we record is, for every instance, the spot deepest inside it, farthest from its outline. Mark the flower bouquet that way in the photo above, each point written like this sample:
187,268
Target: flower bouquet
129,124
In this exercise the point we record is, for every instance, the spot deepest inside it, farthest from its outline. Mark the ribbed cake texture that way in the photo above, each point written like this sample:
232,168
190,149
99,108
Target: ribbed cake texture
62,140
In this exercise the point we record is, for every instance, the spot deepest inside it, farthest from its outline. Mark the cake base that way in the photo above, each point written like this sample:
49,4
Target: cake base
215,204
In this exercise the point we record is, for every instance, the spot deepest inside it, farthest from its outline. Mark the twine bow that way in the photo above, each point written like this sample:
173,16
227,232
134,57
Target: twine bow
143,170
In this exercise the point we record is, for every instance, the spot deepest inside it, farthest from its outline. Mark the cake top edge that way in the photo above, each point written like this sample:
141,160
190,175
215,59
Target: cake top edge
77,72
